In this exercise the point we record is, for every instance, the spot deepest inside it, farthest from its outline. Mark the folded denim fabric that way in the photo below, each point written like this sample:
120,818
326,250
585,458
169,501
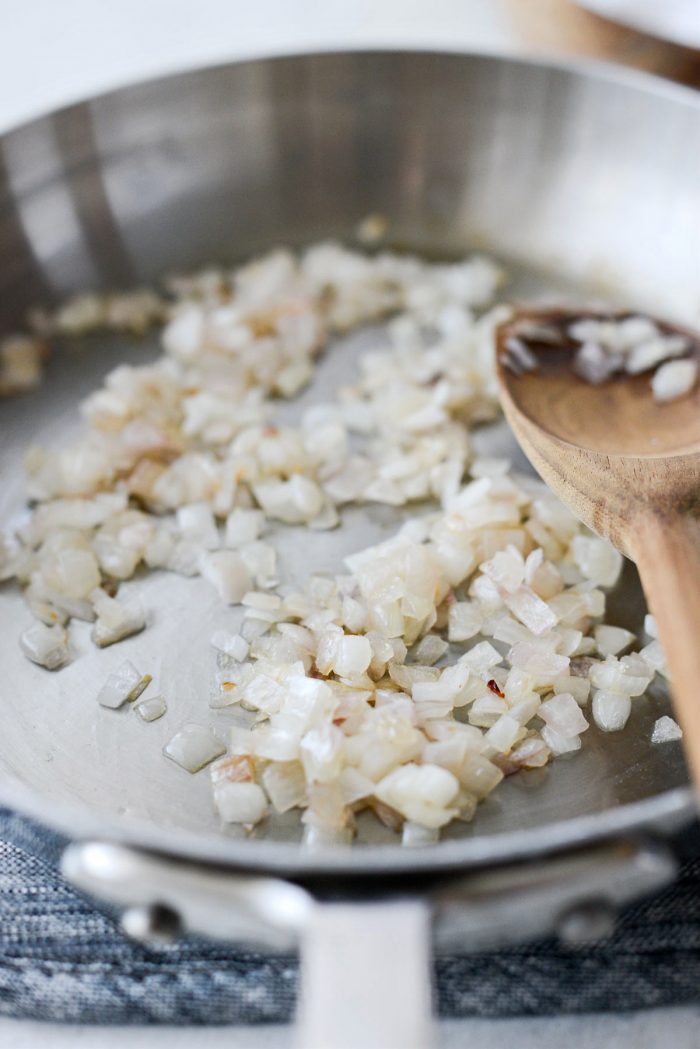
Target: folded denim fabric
64,960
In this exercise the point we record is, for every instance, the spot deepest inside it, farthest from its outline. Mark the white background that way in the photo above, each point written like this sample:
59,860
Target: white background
53,52
57,51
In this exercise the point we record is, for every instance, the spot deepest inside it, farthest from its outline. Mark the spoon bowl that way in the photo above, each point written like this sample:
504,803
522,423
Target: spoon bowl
626,464
618,417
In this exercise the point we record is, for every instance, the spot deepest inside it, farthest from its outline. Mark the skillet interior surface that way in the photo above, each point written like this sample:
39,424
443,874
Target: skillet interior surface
581,182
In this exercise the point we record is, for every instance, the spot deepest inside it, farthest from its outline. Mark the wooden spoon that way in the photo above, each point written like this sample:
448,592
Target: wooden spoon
628,466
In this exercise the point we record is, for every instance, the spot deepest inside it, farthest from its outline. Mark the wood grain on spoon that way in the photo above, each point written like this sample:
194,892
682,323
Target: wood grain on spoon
629,467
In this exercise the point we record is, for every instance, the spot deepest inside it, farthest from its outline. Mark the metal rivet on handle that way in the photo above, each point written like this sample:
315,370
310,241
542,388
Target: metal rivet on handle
587,923
151,923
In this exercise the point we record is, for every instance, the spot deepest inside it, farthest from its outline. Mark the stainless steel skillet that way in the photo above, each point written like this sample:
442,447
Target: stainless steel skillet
582,179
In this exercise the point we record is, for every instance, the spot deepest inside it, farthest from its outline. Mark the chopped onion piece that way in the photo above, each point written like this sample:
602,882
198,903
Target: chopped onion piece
653,351
531,610
151,709
611,710
578,687
506,568
465,620
421,793
354,786
653,655
45,645
559,744
563,715
433,691
524,710
478,775
532,753
115,621
611,640
674,379
124,684
429,649
486,710
197,525
504,733
594,364
596,559
256,599
614,675
543,664
482,658
227,571
285,784
237,802
353,655
243,526
184,334
232,644
321,752
193,747
414,835
294,501
322,837
73,573
666,730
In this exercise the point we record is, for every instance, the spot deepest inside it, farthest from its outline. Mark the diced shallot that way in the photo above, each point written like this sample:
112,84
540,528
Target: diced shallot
45,645
421,793
227,571
611,710
123,685
666,730
239,802
151,709
193,747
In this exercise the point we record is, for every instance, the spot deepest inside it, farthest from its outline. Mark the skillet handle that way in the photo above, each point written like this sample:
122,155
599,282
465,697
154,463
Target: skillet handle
366,976
365,966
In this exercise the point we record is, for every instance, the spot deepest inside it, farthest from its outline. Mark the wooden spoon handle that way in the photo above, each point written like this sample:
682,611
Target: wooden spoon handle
667,553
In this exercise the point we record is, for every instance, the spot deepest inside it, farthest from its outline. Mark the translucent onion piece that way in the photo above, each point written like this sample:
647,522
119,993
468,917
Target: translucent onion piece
285,785
151,709
611,710
421,793
563,715
416,836
232,644
611,640
115,621
227,571
674,379
124,684
666,730
193,747
45,645
235,802
559,744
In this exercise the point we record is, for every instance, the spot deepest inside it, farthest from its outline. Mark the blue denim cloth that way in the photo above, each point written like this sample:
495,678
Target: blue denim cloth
63,960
